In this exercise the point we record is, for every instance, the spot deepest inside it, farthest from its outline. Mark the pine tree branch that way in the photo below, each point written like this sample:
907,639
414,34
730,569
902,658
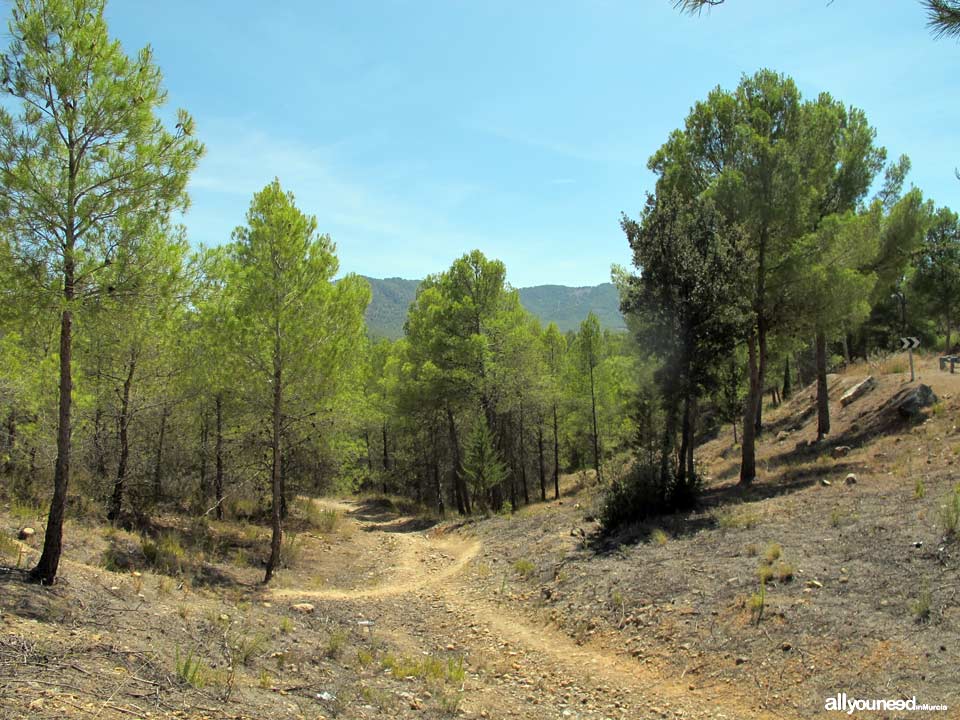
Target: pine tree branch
943,17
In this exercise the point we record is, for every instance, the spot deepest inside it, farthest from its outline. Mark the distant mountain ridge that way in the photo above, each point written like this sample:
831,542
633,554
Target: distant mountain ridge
566,306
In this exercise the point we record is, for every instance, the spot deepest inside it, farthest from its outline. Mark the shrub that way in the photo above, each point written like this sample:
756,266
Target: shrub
165,554
784,572
950,513
921,607
736,518
291,549
659,537
191,669
645,492
9,547
773,552
335,643
757,602
323,521
524,567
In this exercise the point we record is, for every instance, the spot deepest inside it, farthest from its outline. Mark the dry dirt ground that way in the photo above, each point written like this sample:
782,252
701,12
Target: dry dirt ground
535,615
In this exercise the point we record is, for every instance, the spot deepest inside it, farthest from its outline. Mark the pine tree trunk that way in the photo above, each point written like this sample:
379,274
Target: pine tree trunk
204,431
116,501
276,538
386,455
543,476
596,431
284,467
158,468
692,441
459,483
787,380
435,462
681,473
523,460
748,461
45,571
556,456
761,371
218,450
11,440
823,399
99,453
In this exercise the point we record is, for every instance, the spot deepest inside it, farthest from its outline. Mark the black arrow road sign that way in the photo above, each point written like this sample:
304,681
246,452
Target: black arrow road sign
909,343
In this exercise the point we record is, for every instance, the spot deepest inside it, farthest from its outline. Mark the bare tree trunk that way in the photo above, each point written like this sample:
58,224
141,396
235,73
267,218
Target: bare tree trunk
523,460
459,483
692,442
787,379
116,501
366,439
158,468
11,440
99,454
761,370
543,476
823,399
556,455
596,431
218,450
748,460
45,571
276,538
685,441
204,432
441,510
386,455
284,467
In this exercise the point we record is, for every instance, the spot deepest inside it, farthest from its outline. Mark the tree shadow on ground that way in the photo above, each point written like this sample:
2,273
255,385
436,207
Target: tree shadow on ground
382,516
26,599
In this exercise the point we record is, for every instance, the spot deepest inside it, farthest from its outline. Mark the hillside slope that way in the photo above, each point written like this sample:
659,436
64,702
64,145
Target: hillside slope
566,306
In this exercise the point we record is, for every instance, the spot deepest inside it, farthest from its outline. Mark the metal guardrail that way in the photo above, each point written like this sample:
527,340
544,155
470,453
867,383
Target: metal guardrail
951,360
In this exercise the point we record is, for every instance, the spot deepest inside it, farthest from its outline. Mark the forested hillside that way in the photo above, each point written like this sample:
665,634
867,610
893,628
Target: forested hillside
565,306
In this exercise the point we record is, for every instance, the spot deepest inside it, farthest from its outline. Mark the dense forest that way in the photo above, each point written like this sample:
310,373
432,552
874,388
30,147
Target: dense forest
140,371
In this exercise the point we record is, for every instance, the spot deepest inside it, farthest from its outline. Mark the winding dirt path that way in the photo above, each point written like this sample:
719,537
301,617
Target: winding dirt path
422,598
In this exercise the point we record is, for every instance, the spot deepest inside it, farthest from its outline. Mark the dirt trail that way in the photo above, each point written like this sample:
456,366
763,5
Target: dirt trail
518,667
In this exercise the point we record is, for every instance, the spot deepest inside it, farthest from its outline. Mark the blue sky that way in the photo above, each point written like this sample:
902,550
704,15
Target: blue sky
418,130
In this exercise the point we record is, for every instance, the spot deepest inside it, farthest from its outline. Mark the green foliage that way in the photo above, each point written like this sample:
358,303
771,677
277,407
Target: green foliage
322,520
523,567
191,669
89,174
922,605
757,602
950,513
334,646
483,467
737,517
165,554
9,547
645,492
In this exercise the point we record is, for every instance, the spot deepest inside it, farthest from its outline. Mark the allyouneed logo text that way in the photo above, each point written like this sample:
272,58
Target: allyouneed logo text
844,703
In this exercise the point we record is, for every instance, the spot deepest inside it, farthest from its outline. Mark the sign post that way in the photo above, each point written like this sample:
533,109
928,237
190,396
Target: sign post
908,344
